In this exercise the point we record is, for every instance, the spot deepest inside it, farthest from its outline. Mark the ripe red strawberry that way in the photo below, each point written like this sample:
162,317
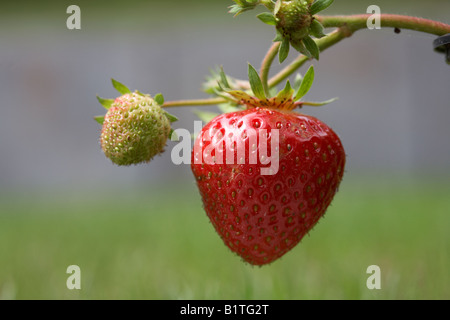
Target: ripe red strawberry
262,217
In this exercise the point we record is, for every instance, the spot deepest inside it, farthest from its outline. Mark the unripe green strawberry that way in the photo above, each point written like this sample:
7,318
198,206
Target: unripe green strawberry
294,19
135,129
295,24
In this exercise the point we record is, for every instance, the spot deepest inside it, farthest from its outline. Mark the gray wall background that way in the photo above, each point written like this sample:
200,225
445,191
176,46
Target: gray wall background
392,115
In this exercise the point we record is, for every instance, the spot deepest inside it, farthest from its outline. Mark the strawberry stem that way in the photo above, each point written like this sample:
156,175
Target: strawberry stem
322,43
359,21
194,102
266,64
345,26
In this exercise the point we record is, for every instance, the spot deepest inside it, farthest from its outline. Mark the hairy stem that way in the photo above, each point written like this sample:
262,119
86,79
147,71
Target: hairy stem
268,4
194,102
322,43
347,25
266,64
359,21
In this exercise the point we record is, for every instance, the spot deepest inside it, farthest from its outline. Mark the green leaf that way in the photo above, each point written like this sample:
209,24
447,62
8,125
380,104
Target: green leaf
277,7
306,84
106,103
205,116
170,117
120,87
239,95
267,18
159,98
235,9
297,81
256,83
317,29
300,47
318,104
223,79
320,5
224,94
243,3
99,119
286,93
242,6
283,51
173,135
311,46
278,37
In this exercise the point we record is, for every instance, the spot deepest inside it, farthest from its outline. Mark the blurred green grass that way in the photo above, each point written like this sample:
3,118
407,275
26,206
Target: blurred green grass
158,244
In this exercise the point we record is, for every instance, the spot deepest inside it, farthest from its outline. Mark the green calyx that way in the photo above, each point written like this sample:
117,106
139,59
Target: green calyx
294,22
242,6
294,19
135,127
286,99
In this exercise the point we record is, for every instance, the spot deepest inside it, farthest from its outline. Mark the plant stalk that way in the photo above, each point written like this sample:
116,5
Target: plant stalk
359,21
346,25
193,102
266,64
